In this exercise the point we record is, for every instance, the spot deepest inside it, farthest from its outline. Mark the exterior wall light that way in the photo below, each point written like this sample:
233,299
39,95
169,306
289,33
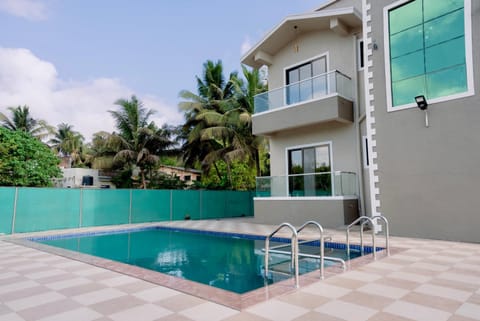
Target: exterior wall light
422,104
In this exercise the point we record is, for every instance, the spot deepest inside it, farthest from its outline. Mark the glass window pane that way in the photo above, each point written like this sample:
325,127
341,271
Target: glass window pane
404,91
319,66
435,8
444,28
305,72
445,55
407,66
292,76
322,159
406,16
407,41
296,162
309,160
447,82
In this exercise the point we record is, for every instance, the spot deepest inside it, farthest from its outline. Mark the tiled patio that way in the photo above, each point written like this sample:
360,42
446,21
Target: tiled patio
427,280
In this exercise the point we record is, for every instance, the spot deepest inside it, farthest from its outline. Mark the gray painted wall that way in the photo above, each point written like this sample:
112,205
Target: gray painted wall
428,177
329,213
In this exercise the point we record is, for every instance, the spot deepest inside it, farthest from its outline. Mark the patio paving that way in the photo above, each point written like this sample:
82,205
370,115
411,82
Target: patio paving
425,280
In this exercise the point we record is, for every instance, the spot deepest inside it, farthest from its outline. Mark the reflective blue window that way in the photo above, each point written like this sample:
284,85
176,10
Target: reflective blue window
427,50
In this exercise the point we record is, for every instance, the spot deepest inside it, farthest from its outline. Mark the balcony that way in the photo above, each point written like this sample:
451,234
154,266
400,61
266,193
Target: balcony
328,184
321,99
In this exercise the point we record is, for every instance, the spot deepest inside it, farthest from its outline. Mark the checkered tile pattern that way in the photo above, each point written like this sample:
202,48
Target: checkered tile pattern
429,280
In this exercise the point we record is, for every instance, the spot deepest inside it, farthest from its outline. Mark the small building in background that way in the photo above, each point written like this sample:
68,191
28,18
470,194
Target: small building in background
83,177
187,175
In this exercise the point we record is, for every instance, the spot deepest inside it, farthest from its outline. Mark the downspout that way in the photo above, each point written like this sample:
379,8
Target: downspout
358,135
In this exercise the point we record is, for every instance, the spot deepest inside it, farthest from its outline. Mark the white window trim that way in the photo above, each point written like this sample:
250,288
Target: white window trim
468,59
330,149
359,54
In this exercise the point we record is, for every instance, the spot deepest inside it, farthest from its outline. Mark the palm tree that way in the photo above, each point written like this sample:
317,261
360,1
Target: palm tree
21,120
214,95
140,140
68,142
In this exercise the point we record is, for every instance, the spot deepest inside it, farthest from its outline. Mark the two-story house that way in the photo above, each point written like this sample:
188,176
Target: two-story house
347,136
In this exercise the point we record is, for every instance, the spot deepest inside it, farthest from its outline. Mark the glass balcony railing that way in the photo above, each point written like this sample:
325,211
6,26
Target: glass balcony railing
309,89
302,185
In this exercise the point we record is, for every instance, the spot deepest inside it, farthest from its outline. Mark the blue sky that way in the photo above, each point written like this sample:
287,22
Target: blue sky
69,60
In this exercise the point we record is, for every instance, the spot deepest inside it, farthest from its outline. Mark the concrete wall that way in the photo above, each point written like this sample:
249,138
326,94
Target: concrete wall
428,177
330,213
340,55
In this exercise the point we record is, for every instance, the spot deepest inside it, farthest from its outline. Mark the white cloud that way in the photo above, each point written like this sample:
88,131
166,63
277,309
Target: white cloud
27,80
246,45
28,9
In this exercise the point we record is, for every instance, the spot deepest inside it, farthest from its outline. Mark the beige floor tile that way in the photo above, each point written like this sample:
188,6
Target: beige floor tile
384,316
429,266
317,316
180,302
83,314
116,305
469,310
398,283
346,311
475,298
277,310
383,290
361,276
49,309
118,280
73,282
411,277
156,294
303,299
11,317
34,300
97,296
368,300
470,279
416,312
444,292
174,317
326,290
81,289
17,286
431,301
244,316
208,312
146,312
45,274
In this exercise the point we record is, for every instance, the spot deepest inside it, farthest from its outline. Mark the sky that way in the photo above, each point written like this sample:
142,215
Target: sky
70,60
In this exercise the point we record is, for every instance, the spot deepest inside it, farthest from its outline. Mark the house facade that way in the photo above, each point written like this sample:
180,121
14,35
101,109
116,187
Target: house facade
346,135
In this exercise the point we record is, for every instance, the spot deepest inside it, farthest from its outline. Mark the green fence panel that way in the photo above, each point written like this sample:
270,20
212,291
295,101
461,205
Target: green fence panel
150,206
239,203
41,209
213,204
185,203
105,207
7,201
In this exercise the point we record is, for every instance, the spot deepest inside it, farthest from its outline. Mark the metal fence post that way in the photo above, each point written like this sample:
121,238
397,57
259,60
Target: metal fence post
14,210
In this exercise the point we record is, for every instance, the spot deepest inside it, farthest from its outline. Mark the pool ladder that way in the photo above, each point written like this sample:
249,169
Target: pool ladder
363,220
294,252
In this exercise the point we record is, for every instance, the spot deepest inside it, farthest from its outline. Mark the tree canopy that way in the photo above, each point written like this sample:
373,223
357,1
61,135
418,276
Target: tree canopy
25,161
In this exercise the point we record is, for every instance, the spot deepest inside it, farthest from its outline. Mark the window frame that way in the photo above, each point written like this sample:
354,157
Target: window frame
287,165
468,59
360,54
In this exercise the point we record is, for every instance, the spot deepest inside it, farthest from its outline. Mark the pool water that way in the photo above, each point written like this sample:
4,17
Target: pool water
224,261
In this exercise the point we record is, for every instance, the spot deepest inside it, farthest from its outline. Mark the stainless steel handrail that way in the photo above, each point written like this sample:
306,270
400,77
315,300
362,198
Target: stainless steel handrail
322,243
364,220
294,251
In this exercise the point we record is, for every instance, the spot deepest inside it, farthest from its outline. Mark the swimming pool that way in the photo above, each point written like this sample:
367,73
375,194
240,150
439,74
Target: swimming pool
232,262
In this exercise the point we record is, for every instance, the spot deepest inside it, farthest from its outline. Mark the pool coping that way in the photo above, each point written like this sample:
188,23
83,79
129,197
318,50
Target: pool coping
220,296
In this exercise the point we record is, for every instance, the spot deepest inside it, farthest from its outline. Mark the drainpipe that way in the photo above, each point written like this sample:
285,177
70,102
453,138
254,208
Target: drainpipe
356,117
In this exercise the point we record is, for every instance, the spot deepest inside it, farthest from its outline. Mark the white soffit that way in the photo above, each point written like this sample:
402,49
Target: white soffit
340,20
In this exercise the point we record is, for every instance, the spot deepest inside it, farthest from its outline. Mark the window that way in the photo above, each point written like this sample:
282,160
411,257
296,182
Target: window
360,58
366,162
307,81
187,178
309,171
427,50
